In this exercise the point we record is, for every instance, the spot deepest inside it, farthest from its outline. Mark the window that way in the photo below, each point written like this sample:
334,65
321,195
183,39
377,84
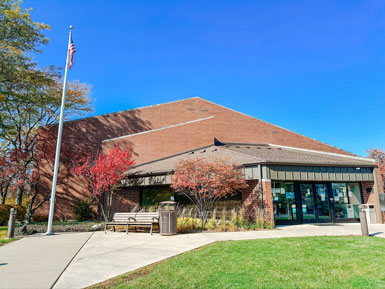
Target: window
284,201
347,197
153,195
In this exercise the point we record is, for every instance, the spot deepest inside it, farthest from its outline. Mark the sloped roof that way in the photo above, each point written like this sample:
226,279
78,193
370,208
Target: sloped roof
211,152
290,155
248,154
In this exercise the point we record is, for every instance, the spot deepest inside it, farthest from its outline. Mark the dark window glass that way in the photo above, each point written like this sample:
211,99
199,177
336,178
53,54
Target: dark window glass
347,197
307,201
153,195
322,201
284,201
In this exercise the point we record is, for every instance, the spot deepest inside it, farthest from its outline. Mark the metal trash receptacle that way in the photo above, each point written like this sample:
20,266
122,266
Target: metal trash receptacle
371,214
167,218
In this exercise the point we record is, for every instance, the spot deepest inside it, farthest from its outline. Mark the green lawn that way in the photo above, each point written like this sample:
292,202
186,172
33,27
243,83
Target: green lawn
311,262
5,241
3,232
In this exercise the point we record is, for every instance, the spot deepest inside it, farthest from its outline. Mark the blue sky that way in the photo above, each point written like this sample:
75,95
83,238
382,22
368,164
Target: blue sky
314,67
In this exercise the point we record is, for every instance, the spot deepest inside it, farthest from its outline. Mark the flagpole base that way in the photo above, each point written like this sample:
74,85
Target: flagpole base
49,234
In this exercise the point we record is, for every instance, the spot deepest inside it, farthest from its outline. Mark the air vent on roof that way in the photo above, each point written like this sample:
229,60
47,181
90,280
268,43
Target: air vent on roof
191,109
204,110
203,151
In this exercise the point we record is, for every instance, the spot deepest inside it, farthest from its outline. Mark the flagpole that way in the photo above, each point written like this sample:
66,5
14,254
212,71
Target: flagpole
59,134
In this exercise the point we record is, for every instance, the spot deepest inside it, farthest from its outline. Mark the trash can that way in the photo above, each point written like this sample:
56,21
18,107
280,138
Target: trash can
364,224
371,214
167,218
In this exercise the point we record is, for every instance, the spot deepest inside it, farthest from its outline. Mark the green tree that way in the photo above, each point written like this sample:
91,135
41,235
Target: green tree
29,95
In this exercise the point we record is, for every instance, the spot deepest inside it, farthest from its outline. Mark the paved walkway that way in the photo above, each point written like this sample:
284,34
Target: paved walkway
109,255
37,261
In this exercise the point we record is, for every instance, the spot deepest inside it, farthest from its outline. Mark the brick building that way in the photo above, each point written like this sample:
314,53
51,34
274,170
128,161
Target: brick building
302,179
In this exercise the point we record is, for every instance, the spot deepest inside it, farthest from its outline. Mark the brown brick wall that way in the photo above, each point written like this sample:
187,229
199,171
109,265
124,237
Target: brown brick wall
161,143
268,201
371,198
125,199
85,136
251,200
368,198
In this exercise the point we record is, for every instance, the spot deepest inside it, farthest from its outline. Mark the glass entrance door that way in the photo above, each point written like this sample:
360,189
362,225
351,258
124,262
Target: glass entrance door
307,203
315,203
322,203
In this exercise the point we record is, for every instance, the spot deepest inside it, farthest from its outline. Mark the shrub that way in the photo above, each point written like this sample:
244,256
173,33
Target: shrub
211,224
185,225
82,210
269,225
68,226
149,209
188,225
39,218
4,213
198,224
260,222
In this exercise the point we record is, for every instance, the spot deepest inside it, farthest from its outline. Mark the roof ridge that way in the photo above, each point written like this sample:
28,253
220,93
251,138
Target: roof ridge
173,155
273,124
157,129
325,153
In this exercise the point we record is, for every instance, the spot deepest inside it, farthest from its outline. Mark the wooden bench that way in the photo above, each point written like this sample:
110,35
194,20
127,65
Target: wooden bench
140,219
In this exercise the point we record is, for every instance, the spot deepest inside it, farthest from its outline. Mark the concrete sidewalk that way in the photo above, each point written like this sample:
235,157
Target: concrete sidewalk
37,261
108,255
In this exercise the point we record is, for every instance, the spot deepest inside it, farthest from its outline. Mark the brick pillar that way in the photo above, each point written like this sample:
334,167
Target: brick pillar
369,195
380,188
268,201
367,192
251,200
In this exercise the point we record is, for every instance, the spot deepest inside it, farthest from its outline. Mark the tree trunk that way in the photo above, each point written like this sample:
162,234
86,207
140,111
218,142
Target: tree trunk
31,209
110,198
19,195
3,197
29,213
3,192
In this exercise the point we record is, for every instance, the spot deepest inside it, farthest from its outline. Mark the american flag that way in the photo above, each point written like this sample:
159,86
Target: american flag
71,51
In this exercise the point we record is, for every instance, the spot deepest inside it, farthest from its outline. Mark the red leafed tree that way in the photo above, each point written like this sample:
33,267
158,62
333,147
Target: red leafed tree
379,156
104,173
206,182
